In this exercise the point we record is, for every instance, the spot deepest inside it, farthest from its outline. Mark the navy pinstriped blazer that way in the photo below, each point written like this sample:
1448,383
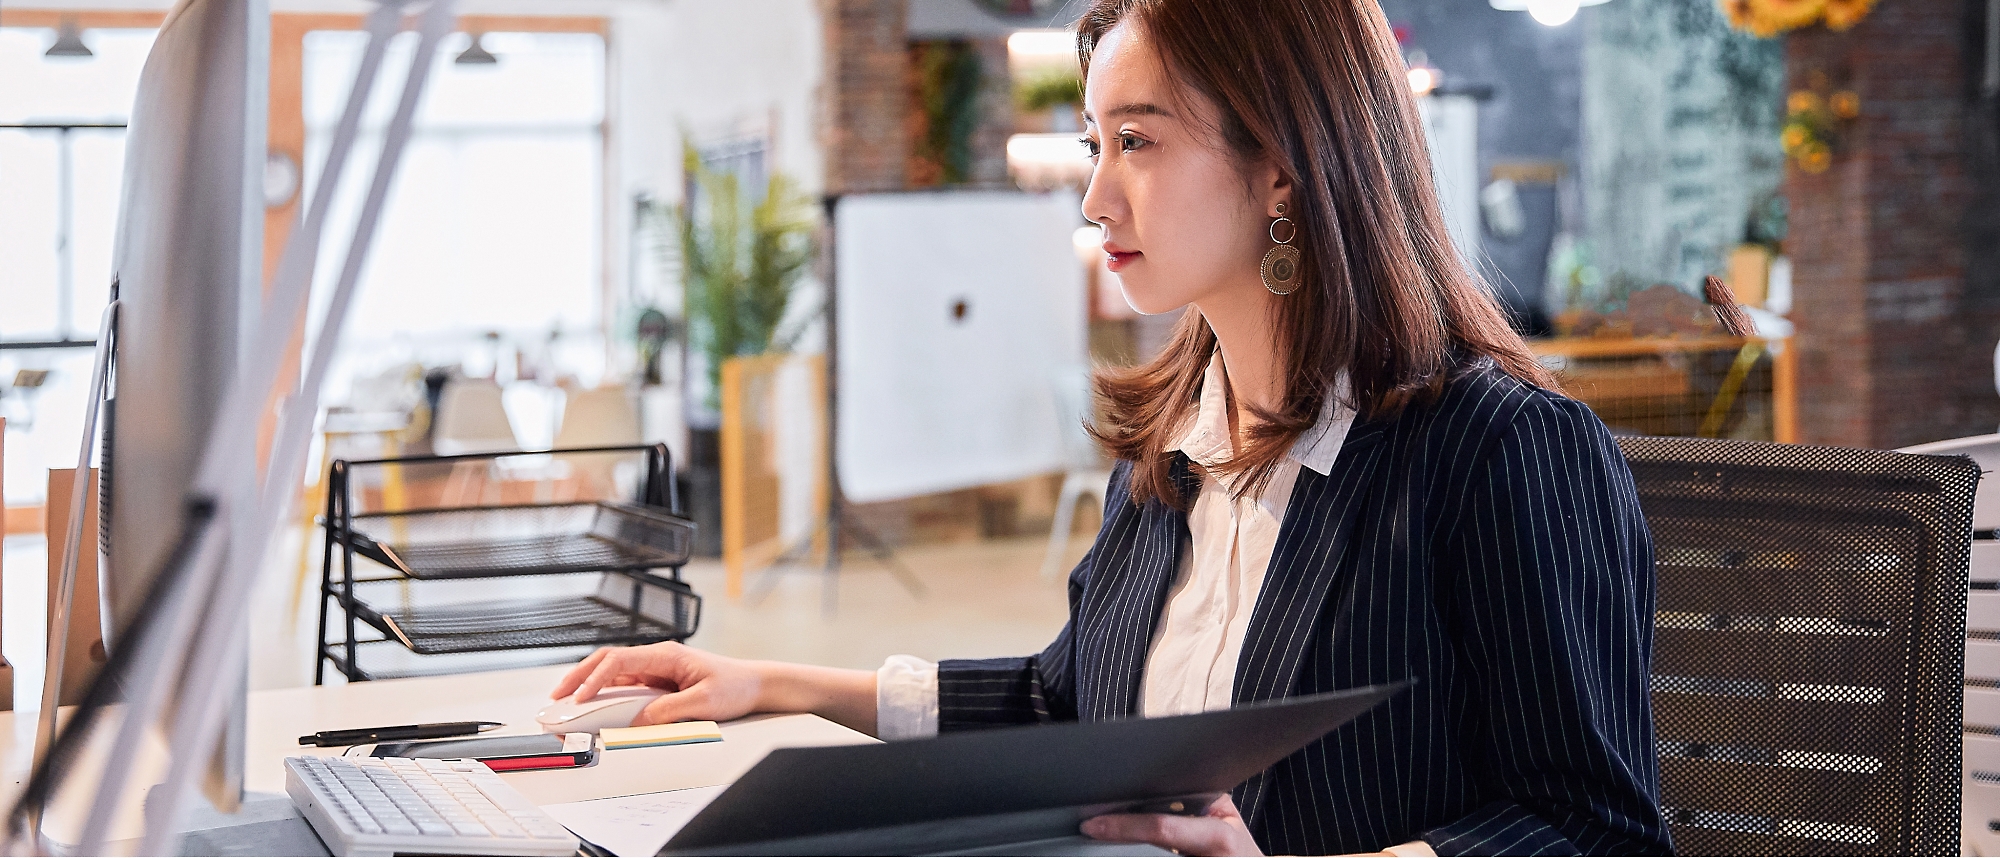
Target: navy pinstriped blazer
1488,543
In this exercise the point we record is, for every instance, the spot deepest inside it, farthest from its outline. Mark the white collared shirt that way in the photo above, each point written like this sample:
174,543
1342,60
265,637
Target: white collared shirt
1191,664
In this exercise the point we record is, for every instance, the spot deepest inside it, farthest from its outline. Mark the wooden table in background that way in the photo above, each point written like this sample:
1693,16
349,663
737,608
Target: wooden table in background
1784,364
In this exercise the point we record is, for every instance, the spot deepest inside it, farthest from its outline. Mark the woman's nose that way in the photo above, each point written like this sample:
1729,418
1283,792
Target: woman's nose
1103,199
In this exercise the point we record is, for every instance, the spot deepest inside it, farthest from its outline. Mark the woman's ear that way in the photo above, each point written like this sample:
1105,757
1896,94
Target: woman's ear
1273,188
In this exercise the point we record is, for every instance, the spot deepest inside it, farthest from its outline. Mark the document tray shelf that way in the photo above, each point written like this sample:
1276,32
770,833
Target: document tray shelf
544,539
671,612
633,546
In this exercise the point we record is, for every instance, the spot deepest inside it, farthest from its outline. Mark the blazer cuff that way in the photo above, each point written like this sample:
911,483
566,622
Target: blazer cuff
906,699
1499,828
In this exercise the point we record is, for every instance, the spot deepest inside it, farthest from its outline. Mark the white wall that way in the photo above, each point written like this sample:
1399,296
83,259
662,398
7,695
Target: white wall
712,70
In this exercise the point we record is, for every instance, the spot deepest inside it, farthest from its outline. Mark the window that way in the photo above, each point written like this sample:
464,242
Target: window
495,220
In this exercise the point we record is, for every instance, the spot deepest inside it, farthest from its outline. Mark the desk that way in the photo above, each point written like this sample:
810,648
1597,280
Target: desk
1653,389
278,718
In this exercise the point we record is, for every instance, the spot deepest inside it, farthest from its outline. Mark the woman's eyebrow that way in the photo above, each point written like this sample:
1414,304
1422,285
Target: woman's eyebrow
1137,108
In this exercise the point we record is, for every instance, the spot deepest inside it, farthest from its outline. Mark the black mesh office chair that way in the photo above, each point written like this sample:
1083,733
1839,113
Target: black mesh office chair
1809,655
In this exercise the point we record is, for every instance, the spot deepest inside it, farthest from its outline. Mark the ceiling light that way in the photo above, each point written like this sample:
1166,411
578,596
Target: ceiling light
69,42
1423,80
1552,13
476,54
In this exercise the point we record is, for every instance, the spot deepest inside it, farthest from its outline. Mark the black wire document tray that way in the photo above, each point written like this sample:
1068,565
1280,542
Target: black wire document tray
543,539
1018,785
641,609
452,580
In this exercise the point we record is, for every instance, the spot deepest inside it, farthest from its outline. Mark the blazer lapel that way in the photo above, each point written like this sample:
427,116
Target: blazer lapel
1312,542
1126,608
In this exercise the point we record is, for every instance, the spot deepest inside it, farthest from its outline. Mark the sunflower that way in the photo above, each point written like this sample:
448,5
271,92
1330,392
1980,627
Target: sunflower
1845,104
1738,13
1771,17
1795,138
1843,14
1802,101
1815,159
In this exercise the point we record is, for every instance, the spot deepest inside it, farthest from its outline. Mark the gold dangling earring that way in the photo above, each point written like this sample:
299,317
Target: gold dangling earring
1281,265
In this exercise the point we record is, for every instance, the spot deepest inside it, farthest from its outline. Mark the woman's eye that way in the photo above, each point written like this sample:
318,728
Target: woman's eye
1128,142
1089,146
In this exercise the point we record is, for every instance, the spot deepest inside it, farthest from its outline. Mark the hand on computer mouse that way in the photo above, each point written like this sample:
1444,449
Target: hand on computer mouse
701,686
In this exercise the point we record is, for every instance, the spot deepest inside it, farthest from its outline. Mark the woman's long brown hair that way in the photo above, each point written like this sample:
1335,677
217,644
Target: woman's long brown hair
1319,88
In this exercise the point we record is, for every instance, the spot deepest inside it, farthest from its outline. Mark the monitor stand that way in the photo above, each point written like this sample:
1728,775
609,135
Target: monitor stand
268,824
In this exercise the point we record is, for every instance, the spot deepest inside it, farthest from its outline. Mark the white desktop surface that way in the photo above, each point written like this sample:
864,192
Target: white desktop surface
277,719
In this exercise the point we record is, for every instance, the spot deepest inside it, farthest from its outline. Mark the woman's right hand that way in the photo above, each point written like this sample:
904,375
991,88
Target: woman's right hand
700,686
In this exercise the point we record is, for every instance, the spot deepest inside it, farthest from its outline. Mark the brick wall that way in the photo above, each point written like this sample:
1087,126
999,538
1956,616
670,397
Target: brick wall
1897,322
868,65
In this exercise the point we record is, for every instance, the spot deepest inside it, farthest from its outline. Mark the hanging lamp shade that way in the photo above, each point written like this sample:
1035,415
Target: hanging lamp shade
476,54
69,42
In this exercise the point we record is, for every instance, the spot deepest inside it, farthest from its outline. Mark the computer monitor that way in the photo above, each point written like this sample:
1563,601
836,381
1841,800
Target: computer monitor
189,263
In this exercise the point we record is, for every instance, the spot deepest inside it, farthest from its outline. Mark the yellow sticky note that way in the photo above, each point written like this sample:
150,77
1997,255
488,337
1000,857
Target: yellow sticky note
679,733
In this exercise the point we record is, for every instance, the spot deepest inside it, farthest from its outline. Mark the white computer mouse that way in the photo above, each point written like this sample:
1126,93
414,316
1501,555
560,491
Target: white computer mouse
612,707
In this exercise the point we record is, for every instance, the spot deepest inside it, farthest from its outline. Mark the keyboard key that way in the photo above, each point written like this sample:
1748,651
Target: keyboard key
416,807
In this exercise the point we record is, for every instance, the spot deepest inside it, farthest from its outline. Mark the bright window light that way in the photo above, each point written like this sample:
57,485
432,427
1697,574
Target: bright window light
495,222
1041,44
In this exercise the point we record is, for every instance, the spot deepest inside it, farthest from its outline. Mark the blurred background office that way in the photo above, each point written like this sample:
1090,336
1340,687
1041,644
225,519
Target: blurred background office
829,253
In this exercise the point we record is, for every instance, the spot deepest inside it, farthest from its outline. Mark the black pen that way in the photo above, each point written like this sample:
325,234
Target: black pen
403,732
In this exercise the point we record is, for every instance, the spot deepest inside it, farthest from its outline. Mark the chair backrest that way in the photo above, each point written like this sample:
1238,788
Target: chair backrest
1980,823
600,417
1984,450
1807,659
1074,408
471,419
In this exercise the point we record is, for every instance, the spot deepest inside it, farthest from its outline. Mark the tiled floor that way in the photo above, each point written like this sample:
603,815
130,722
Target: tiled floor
983,599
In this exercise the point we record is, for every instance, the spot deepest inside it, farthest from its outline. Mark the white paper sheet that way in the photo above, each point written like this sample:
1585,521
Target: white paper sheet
634,825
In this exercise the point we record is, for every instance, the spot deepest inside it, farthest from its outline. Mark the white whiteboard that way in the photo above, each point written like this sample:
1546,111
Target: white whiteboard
931,400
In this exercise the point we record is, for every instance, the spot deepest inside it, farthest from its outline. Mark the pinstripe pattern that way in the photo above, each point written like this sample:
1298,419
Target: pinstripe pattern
1489,544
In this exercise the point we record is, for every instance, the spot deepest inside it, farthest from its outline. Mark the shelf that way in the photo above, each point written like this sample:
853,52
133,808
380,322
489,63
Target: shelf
487,542
662,610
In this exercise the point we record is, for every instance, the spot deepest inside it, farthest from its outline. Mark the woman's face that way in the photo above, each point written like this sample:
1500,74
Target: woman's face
1180,222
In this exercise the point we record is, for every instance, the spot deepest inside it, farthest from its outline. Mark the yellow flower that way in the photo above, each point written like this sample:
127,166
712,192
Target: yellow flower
1802,101
1737,11
1843,14
1794,138
1778,16
1845,104
1815,159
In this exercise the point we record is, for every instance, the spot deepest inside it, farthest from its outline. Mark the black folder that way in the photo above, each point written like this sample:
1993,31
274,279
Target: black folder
978,790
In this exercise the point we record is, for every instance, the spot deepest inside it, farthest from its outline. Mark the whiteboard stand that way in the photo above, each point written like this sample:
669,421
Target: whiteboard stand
835,523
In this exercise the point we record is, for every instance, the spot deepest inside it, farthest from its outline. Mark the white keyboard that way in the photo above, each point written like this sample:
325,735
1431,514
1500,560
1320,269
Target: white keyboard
391,805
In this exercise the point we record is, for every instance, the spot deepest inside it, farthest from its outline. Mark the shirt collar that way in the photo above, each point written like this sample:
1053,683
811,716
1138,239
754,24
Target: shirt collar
1206,439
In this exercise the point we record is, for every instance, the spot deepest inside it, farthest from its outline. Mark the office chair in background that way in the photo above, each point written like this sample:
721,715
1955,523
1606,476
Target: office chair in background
471,419
1808,652
1085,473
598,417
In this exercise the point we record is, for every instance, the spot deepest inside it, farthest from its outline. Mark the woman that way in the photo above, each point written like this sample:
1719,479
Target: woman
1345,469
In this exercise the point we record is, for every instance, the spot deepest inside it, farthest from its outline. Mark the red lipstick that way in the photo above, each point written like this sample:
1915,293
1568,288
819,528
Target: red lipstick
1118,257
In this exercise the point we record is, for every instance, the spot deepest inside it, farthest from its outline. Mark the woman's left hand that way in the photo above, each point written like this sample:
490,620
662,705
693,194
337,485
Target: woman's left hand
1220,831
